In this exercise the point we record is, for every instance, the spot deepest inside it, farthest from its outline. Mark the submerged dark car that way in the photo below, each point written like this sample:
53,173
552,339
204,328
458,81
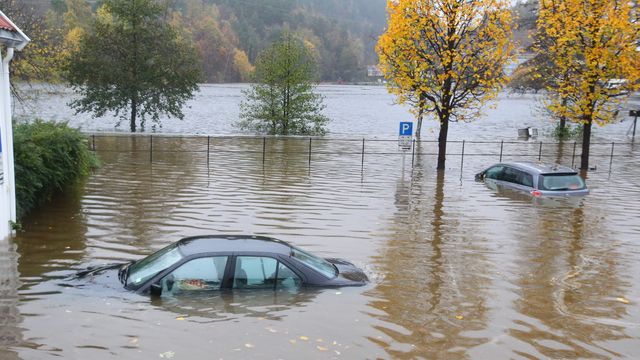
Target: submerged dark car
218,262
535,178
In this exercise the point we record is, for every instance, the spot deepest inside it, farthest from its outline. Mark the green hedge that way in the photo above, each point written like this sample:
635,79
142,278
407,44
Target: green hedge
48,157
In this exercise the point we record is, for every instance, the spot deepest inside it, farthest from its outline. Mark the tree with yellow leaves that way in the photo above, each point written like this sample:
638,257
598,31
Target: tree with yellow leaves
446,57
595,42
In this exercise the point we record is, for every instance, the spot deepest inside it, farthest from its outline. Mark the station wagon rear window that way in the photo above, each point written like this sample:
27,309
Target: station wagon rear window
560,182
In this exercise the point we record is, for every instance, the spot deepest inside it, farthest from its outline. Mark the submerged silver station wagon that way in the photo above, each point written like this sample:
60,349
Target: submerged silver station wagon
536,178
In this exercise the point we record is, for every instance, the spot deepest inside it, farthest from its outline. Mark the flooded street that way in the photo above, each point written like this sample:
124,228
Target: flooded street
458,270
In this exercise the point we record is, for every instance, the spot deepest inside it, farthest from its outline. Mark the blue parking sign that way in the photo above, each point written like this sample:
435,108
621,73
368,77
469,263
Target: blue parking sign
406,128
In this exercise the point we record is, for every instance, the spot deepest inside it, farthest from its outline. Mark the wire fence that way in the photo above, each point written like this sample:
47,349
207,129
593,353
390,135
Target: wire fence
364,148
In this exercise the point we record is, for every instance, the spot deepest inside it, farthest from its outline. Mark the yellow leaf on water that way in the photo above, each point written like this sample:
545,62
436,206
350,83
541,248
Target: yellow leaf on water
459,317
304,338
180,318
622,300
321,348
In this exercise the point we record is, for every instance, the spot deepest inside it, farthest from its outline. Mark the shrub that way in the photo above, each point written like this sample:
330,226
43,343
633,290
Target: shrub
568,132
48,157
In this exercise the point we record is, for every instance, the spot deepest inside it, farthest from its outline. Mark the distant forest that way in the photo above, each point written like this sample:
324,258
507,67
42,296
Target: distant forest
229,34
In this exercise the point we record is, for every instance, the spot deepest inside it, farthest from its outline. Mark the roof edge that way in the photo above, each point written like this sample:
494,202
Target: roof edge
26,39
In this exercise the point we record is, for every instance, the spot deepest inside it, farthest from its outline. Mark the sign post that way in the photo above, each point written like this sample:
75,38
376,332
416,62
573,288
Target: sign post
405,137
634,114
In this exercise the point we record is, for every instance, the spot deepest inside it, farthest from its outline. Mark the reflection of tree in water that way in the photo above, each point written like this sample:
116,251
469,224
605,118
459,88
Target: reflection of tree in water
229,305
433,292
53,240
569,281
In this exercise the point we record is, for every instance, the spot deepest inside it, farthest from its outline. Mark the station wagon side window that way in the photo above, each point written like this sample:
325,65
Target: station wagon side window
526,179
493,172
516,176
509,175
263,272
199,274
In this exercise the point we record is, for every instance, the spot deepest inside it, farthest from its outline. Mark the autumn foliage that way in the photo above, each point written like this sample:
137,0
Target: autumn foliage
592,47
446,57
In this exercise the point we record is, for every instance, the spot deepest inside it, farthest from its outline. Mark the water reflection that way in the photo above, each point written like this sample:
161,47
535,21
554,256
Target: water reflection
569,282
229,305
459,270
10,318
433,295
53,240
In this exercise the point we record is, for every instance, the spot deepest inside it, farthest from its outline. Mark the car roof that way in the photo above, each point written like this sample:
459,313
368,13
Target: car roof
232,243
540,167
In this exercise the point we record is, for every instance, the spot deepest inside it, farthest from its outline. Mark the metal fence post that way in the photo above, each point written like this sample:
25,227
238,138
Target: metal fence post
208,142
362,161
309,153
462,159
150,148
540,152
613,144
573,156
94,141
264,148
501,147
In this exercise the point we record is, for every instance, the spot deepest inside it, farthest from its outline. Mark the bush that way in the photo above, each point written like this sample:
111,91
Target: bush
48,157
568,132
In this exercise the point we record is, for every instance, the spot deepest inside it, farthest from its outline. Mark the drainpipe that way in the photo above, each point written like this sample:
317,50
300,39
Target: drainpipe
9,175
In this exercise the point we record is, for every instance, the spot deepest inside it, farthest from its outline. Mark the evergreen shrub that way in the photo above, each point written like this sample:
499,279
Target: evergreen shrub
48,157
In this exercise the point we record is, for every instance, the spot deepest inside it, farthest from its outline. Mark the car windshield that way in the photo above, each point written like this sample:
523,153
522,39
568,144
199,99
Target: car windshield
321,265
561,182
142,270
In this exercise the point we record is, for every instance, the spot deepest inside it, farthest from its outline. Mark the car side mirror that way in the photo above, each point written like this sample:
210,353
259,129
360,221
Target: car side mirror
156,289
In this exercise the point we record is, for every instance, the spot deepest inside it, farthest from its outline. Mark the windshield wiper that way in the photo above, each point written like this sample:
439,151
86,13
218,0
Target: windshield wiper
123,273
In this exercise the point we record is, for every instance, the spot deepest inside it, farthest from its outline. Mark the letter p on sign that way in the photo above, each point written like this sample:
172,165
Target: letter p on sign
406,128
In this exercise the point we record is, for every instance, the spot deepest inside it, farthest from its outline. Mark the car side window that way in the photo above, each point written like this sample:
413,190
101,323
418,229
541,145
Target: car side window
493,172
517,177
509,175
287,279
196,275
255,272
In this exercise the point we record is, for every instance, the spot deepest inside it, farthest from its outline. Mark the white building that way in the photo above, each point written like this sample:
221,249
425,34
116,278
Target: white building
11,39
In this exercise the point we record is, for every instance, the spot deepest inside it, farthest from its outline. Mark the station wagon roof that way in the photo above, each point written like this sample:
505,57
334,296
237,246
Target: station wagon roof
232,243
540,168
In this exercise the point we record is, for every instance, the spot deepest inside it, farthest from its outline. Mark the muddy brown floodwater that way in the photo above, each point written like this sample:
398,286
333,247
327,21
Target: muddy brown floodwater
458,270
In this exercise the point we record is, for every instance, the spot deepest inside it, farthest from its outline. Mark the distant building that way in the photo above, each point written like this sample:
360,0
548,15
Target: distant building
374,71
511,67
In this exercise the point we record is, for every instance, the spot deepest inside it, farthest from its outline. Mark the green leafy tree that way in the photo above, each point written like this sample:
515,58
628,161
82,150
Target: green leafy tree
282,101
133,63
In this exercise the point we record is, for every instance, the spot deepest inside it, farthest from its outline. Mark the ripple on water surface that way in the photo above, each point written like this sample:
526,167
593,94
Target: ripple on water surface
459,270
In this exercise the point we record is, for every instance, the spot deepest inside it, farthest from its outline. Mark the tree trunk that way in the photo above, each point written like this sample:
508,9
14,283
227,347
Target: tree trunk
442,142
586,142
421,101
419,123
134,113
563,120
